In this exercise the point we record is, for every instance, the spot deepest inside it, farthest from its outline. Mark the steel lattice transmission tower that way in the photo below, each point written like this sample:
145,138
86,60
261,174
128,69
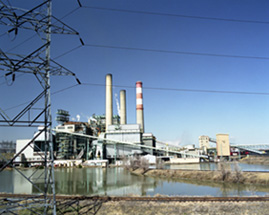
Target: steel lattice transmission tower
39,64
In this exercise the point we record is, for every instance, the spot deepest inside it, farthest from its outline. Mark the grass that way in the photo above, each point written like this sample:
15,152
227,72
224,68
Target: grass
214,176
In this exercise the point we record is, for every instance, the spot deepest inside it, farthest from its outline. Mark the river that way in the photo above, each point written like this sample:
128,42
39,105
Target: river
119,182
216,166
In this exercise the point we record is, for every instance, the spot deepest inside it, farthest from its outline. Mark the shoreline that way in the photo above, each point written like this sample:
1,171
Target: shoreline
257,178
154,205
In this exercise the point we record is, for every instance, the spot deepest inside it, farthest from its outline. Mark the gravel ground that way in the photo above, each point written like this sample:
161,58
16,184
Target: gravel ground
160,208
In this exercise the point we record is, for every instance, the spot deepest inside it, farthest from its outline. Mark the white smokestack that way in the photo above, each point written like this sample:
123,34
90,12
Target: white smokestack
109,107
122,107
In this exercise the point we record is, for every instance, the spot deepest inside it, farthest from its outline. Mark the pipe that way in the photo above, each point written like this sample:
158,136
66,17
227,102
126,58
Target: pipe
122,107
139,106
109,107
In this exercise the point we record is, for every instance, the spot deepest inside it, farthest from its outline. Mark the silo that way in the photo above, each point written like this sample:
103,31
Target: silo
223,145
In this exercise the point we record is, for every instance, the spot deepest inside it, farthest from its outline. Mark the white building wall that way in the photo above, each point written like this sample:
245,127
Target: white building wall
66,128
29,151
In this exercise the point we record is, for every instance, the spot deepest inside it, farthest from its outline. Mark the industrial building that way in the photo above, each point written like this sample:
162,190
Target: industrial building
123,132
109,137
222,148
75,140
223,145
35,153
70,146
204,143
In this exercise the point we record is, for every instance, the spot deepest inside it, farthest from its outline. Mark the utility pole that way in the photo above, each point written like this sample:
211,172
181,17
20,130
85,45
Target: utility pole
39,64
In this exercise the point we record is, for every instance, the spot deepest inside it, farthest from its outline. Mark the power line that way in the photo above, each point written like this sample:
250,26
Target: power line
208,91
1,35
53,93
23,42
154,88
69,13
67,52
185,90
176,52
176,15
64,89
5,82
26,40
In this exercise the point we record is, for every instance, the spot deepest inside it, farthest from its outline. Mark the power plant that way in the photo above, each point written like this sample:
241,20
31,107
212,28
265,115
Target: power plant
106,137
109,138
123,132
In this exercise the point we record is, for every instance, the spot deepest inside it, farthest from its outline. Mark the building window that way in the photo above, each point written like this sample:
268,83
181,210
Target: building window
39,146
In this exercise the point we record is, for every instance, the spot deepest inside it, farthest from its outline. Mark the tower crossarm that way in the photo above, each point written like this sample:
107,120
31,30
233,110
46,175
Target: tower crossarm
32,20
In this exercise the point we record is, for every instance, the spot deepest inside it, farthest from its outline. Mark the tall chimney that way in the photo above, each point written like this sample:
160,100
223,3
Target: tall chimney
122,107
139,106
109,107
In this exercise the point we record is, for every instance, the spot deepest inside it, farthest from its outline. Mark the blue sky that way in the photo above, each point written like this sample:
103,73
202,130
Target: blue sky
173,116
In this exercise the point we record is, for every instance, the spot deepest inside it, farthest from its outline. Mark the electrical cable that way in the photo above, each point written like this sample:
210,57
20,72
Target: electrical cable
1,35
26,40
69,13
185,90
64,89
53,93
176,52
67,52
5,82
155,88
176,15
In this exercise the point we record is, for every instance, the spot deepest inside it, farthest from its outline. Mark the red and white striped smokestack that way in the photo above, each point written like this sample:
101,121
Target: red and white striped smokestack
139,106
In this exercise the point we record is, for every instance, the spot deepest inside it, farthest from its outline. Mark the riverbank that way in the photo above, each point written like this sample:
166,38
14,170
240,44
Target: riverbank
261,178
175,208
264,160
156,205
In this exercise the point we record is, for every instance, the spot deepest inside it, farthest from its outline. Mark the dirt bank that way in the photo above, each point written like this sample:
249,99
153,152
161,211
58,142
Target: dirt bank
156,208
216,176
256,160
136,207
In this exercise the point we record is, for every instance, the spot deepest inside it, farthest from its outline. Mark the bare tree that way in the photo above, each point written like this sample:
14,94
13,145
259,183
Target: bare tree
159,163
136,162
144,164
224,171
237,173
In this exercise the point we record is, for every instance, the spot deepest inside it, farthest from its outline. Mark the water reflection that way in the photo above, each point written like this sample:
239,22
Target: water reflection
101,181
215,166
119,182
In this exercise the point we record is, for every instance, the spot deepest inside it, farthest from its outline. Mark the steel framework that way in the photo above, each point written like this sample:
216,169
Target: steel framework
39,64
256,148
